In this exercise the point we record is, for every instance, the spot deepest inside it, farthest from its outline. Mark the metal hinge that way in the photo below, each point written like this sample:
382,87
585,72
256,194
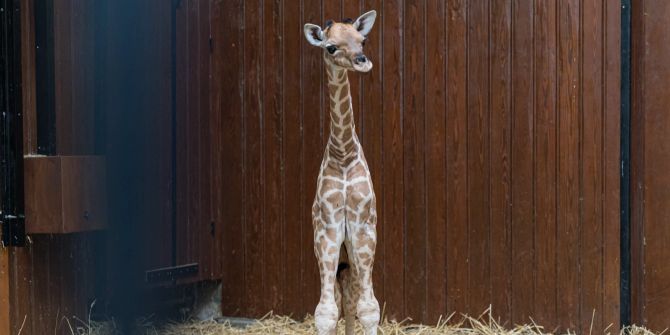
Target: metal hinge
172,273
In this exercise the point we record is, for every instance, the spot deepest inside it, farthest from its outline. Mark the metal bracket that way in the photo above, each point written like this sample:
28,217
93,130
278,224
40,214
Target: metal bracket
172,273
11,126
13,230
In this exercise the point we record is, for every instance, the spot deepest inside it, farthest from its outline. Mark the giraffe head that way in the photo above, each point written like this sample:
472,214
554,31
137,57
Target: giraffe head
342,42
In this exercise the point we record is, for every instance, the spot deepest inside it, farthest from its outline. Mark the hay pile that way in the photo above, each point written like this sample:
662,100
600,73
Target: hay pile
274,324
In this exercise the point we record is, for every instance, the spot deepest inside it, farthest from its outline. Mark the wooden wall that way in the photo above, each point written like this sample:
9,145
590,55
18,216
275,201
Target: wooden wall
491,129
650,153
56,277
198,135
53,280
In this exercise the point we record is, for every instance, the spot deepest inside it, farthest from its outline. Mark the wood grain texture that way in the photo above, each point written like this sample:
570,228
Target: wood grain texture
273,146
568,219
293,172
414,132
313,114
254,117
478,157
611,163
435,161
53,281
372,128
651,158
65,194
392,69
591,239
474,124
545,186
205,253
28,76
523,228
637,171
457,200
500,151
5,278
228,73
21,296
490,128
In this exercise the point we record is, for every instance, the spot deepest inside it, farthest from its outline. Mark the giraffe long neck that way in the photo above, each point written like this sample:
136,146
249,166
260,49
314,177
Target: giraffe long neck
342,142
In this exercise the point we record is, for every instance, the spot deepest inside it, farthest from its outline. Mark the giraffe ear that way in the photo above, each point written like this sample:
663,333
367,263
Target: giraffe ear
314,34
365,22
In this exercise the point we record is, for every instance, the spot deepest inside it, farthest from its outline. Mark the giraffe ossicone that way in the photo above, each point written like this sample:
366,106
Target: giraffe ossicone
344,211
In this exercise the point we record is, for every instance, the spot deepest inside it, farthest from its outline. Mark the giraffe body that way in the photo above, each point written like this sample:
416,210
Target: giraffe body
344,212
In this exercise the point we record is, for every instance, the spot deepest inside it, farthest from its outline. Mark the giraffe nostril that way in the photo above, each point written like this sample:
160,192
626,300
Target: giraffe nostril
360,59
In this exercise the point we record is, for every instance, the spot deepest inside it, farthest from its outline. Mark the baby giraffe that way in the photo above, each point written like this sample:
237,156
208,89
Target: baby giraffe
344,209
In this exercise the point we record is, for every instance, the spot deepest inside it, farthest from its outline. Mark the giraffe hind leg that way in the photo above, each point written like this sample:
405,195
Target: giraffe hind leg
349,296
363,241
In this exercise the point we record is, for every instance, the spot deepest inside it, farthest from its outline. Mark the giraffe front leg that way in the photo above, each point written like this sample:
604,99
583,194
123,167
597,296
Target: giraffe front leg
327,243
364,241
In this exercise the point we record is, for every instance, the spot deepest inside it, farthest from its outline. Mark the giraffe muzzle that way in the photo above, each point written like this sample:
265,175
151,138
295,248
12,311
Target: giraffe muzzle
362,63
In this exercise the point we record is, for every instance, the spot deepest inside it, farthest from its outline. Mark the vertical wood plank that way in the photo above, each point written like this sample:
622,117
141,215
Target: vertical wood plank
545,162
205,238
193,135
523,252
156,150
500,146
392,21
591,178
313,114
273,132
80,87
457,172
435,160
611,149
414,173
5,277
637,177
22,287
654,51
41,322
216,133
228,71
28,76
66,246
568,165
372,140
63,76
253,124
478,157
293,150
181,130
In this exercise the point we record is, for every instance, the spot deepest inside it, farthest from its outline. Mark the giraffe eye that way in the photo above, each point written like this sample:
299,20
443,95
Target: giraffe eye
363,43
331,49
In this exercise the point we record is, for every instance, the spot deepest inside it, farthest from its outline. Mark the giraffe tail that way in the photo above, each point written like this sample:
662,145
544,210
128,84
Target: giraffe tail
342,280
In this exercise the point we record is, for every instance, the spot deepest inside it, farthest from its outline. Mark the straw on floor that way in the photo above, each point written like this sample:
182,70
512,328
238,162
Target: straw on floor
275,324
